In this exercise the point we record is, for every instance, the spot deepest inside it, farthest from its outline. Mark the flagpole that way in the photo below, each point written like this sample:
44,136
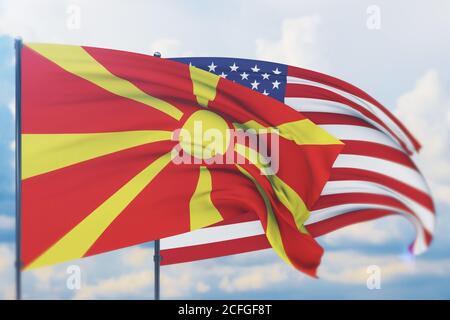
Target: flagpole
18,157
157,253
157,261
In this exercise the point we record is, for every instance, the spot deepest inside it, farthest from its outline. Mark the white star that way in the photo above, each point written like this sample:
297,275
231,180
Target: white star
276,84
234,67
276,71
265,93
255,85
212,67
265,76
255,68
223,75
244,76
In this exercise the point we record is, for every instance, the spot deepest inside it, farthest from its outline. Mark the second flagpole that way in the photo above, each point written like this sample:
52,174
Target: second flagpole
157,262
157,255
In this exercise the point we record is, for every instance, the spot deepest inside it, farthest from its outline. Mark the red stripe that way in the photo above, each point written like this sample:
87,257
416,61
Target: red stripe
308,91
377,150
345,86
342,174
428,237
332,200
214,249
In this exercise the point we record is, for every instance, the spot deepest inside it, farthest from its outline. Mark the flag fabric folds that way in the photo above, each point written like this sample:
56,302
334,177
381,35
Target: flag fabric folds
102,134
374,176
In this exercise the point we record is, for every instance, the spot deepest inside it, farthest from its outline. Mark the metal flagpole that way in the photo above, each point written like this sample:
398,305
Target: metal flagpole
18,264
157,255
157,260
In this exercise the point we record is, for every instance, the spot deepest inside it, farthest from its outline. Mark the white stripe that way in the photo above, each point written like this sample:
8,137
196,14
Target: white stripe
359,133
319,105
363,103
348,186
213,234
391,169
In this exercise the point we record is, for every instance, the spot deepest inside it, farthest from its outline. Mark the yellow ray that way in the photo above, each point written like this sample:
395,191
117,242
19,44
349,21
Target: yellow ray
205,85
77,242
76,60
272,230
301,131
42,153
288,196
202,211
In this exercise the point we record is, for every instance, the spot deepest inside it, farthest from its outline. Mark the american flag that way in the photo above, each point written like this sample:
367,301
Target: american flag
373,177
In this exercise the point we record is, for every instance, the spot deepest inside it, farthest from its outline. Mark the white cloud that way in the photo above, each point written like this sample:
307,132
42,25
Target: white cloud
7,222
110,276
12,107
12,145
253,278
202,287
177,281
7,258
178,284
40,14
376,232
138,257
298,44
104,23
425,110
124,285
350,267
45,278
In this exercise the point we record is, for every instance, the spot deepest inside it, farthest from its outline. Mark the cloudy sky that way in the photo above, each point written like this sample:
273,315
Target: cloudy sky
398,51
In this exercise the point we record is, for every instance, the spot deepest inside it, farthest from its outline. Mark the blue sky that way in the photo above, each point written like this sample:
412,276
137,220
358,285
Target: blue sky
404,64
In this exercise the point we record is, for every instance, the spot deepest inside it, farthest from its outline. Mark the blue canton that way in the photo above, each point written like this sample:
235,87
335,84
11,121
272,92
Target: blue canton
264,77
